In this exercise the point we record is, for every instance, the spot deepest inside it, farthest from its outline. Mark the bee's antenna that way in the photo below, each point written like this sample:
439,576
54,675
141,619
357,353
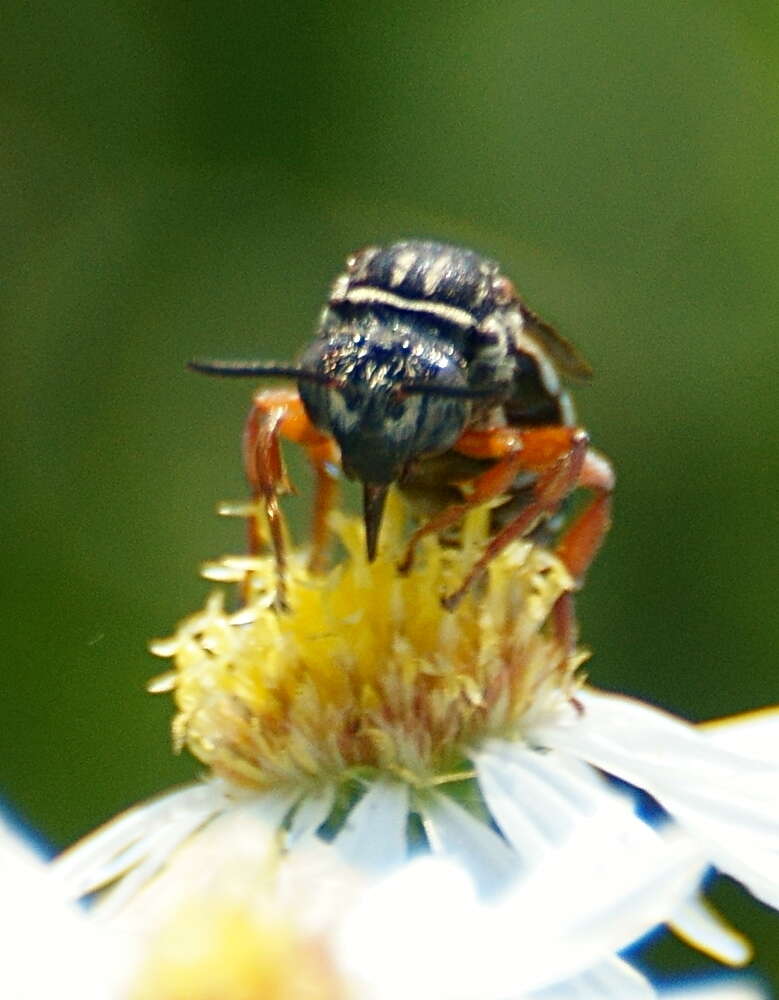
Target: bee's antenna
254,369
451,391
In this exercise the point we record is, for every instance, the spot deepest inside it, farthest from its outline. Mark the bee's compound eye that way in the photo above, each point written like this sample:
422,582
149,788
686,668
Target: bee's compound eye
504,290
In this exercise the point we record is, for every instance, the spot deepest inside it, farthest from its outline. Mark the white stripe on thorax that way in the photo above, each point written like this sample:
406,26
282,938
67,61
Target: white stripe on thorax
452,314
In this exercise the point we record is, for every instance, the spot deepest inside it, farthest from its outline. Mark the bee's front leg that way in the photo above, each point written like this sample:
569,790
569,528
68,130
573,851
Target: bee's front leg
275,414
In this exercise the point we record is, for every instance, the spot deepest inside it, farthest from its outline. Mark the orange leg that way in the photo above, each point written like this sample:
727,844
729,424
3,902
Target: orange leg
580,541
275,414
492,483
556,453
563,461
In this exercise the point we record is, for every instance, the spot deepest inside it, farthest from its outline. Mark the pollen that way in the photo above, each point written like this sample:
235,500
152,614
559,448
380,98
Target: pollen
229,951
367,669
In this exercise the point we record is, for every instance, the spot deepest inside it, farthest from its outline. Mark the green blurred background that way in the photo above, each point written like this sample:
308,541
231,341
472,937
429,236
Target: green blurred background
184,179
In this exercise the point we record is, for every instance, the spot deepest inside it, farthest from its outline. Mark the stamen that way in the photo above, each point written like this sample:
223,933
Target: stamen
368,670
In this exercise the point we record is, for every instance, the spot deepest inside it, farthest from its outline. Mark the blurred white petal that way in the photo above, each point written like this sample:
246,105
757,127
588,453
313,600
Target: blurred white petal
753,734
373,838
699,924
49,947
310,814
613,881
100,857
454,832
141,842
606,888
536,799
730,801
612,979
721,988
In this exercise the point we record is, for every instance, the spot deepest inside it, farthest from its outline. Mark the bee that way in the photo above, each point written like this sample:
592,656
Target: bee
428,371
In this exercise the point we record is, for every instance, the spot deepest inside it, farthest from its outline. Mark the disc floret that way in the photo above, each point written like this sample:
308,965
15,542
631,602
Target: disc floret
367,669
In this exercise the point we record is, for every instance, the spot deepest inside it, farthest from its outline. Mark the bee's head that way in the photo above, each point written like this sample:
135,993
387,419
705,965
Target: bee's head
388,393
387,400
385,404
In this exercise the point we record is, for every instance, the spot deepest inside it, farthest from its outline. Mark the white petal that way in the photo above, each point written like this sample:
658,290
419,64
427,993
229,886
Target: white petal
137,845
612,979
408,936
536,799
503,798
97,858
373,838
268,807
593,897
721,988
755,734
413,937
49,946
143,859
733,850
424,932
310,815
659,739
730,801
229,861
454,832
702,927
317,887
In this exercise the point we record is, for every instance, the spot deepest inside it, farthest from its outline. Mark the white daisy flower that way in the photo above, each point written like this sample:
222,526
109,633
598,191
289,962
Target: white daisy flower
233,916
370,716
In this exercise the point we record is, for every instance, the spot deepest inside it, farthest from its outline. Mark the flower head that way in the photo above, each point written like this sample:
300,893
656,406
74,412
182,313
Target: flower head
368,671
372,717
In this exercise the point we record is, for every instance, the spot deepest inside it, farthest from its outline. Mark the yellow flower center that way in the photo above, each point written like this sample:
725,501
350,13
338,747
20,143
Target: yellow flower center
367,669
228,920
229,951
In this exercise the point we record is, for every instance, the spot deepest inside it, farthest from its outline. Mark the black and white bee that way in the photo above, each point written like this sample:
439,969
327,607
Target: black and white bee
427,371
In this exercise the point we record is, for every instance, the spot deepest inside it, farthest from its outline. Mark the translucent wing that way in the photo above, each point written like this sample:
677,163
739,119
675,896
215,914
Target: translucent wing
562,352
